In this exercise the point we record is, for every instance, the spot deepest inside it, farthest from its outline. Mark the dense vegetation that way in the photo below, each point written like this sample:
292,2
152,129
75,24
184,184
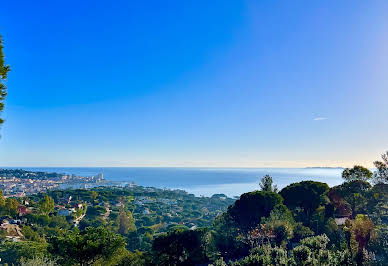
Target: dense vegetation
305,223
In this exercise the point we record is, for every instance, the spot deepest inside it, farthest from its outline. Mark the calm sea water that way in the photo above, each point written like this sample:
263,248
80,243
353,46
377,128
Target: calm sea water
205,181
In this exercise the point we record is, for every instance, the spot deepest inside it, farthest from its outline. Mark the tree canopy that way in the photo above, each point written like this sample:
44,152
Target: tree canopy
87,246
305,195
251,207
358,172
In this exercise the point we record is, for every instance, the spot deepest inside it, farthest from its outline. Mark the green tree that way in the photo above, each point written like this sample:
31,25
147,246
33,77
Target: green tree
30,234
11,206
12,252
181,247
126,222
354,193
381,175
86,247
94,195
379,244
362,229
46,205
226,238
2,200
266,184
37,261
305,197
248,210
4,69
357,173
60,222
136,258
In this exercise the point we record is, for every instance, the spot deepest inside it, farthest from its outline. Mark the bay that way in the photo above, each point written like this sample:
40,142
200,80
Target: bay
203,181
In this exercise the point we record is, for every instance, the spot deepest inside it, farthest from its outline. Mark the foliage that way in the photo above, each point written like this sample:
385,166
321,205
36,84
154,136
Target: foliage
136,258
226,237
354,193
12,252
301,231
379,245
2,199
126,222
363,230
251,207
30,234
258,229
180,247
46,205
37,261
266,184
11,207
281,223
381,175
306,196
86,247
357,173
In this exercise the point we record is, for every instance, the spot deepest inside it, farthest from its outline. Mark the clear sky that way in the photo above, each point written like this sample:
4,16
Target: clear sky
195,83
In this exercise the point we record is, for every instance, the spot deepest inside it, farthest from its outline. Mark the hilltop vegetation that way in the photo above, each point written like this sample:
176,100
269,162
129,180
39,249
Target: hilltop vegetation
305,223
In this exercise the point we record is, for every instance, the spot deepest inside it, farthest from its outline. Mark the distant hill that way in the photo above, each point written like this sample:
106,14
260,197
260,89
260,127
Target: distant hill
324,167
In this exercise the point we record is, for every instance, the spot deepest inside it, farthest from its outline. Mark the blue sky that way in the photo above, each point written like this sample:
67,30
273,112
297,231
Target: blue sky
195,83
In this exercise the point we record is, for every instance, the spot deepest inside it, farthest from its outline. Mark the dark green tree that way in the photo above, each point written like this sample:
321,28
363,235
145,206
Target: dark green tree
354,193
248,210
305,197
181,247
4,69
12,252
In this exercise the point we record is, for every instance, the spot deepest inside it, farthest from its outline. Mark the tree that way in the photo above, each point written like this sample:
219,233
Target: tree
363,231
4,69
266,184
11,206
248,210
2,200
282,223
356,173
379,245
181,247
226,237
126,222
12,252
381,175
94,195
136,258
37,261
86,247
46,205
354,194
306,196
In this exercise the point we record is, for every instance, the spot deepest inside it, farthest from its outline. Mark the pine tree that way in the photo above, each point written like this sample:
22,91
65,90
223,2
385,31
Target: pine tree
3,76
126,222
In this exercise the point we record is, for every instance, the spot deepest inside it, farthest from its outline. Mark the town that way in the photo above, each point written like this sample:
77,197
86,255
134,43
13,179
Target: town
19,183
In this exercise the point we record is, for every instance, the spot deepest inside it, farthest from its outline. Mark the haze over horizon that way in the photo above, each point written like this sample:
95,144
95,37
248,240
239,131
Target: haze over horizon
207,84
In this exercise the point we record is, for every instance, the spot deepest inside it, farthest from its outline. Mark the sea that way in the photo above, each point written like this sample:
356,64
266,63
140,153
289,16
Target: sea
203,181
